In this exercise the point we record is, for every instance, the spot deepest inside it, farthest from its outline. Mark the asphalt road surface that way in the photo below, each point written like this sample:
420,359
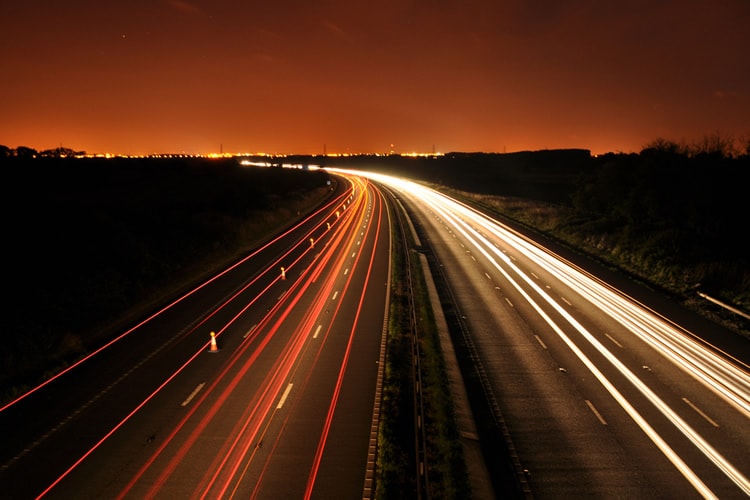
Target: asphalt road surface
605,389
260,383
603,395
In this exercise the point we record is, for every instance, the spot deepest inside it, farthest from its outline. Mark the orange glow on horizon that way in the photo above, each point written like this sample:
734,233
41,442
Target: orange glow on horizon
173,78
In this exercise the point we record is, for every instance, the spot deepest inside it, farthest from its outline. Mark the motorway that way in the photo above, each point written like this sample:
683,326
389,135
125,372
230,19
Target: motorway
259,383
597,393
600,395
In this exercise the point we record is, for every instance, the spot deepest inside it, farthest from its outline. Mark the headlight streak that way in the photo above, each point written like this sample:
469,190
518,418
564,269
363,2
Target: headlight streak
688,473
722,377
672,416
681,348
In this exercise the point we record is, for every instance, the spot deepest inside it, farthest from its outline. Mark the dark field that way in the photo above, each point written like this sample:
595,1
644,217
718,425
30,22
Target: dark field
93,244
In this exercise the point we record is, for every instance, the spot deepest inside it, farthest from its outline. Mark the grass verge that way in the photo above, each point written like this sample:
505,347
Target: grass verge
445,468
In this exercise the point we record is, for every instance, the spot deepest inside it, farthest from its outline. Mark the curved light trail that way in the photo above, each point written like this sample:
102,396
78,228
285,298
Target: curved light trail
286,346
726,377
169,306
317,270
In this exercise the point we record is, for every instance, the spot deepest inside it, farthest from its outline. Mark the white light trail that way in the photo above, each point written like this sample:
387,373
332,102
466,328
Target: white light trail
731,381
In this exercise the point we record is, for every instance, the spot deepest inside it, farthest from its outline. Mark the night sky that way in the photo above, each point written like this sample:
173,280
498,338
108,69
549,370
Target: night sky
349,76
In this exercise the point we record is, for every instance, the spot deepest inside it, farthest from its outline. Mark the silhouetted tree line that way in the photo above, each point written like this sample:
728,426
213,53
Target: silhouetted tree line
673,213
544,175
677,214
696,200
87,238
25,152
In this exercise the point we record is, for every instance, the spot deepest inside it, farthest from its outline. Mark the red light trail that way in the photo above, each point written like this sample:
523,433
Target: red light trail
338,242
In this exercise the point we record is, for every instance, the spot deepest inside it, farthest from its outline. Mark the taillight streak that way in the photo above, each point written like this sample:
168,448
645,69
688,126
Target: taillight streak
272,385
329,206
161,311
204,422
292,352
322,301
342,370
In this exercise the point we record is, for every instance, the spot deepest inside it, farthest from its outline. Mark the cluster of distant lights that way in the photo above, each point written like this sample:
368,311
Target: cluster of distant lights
266,155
